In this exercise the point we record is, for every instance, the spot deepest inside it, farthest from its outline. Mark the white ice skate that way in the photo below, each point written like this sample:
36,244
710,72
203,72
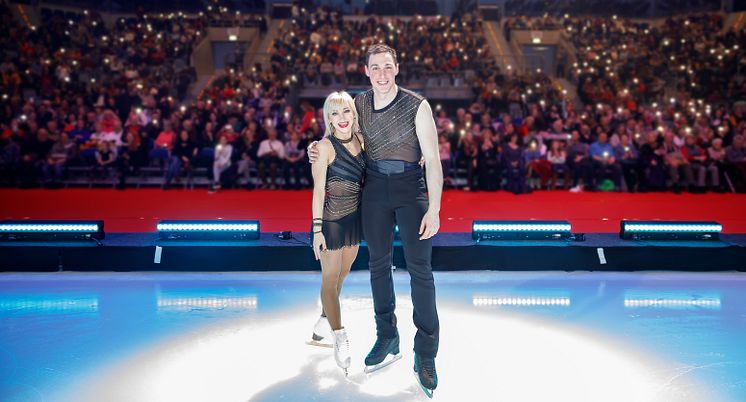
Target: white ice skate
322,334
342,349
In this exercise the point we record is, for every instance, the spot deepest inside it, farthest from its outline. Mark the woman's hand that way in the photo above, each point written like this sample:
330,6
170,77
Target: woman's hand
319,245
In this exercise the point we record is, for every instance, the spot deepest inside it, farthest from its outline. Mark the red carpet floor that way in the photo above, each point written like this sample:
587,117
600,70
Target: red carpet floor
140,210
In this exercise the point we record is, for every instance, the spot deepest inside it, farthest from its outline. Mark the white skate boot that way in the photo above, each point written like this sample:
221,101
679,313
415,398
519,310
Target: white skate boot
322,334
342,349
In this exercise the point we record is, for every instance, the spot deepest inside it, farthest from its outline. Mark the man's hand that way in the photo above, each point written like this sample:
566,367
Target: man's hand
313,152
430,225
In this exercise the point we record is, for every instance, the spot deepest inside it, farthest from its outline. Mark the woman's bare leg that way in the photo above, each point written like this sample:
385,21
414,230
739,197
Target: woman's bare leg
331,268
348,257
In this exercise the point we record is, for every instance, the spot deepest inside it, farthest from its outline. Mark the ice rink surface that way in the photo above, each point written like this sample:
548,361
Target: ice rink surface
505,336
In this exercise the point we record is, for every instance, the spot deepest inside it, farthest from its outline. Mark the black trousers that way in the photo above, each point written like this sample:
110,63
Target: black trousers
402,199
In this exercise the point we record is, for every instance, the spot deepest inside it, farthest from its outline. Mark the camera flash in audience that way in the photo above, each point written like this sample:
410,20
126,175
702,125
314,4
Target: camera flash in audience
93,80
183,108
23,117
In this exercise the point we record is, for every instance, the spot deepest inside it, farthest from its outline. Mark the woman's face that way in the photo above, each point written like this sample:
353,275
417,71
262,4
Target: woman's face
341,119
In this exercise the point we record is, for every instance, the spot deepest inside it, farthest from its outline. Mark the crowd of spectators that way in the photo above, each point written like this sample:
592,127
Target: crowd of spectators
78,93
627,8
328,49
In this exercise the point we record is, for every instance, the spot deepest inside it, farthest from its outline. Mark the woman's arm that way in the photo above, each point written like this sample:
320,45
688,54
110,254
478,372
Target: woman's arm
318,170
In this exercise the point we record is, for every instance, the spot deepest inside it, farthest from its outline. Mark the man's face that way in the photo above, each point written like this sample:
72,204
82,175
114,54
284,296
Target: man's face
382,72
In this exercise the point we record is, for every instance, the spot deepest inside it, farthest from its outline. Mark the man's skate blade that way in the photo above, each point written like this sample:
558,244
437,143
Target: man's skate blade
387,361
319,344
428,392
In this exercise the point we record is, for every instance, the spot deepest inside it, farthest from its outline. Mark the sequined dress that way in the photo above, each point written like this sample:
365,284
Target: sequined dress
344,179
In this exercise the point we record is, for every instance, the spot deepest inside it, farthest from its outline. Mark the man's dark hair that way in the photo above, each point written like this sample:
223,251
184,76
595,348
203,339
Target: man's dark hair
379,48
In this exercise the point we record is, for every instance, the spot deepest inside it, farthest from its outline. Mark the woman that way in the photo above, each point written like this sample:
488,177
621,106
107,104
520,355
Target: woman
337,231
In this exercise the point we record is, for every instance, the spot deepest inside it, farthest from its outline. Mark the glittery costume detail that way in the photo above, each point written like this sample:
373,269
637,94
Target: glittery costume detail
389,133
344,177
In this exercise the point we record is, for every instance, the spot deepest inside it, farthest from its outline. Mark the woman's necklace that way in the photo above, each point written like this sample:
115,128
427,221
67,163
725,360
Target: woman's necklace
347,141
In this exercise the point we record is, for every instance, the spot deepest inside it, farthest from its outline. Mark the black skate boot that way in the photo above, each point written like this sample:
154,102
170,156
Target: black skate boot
385,351
424,368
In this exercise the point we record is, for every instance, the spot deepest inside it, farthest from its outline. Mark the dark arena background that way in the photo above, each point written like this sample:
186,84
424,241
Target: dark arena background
156,202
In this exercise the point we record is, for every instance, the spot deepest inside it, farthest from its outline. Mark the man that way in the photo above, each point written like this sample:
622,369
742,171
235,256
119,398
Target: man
604,159
398,130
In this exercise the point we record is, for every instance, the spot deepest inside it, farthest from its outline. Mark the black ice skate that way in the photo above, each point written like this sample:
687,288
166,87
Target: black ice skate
424,369
385,351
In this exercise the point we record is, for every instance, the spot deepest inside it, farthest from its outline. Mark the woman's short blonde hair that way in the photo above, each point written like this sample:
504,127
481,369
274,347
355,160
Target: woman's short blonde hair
338,100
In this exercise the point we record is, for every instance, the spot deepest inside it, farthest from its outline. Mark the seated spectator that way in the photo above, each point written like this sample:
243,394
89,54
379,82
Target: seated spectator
604,161
271,154
514,167
105,157
653,163
697,158
579,162
467,159
295,161
628,156
536,162
33,156
62,151
557,156
132,155
223,152
247,148
10,158
735,155
164,143
716,157
182,156
677,164
444,149
488,162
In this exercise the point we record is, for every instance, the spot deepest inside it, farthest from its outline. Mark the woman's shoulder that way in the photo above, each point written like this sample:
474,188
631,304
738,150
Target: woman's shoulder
325,146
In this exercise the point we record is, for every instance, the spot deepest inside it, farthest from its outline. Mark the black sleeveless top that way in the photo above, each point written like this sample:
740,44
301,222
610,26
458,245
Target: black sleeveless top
390,133
344,179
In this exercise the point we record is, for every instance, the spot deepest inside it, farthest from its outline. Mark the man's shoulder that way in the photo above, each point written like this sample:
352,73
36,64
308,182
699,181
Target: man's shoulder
411,94
363,95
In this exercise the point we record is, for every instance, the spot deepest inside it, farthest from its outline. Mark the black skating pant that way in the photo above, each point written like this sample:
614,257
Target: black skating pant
400,198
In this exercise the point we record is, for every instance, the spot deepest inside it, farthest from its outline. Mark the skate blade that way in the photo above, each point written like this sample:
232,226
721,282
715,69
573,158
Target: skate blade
319,344
387,361
427,391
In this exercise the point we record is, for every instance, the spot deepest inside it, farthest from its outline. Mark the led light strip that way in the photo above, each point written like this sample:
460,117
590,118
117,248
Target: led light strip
249,302
521,301
708,303
49,305
636,227
49,228
507,227
176,227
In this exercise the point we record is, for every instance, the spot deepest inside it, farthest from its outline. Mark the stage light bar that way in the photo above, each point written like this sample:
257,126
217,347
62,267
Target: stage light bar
521,230
480,301
207,303
52,230
670,230
209,230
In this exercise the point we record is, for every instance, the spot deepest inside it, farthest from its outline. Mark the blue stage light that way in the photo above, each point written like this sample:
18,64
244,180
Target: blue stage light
520,230
52,230
191,229
670,230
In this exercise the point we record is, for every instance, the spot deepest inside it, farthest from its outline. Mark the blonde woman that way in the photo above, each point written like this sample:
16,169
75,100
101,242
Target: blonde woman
337,176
